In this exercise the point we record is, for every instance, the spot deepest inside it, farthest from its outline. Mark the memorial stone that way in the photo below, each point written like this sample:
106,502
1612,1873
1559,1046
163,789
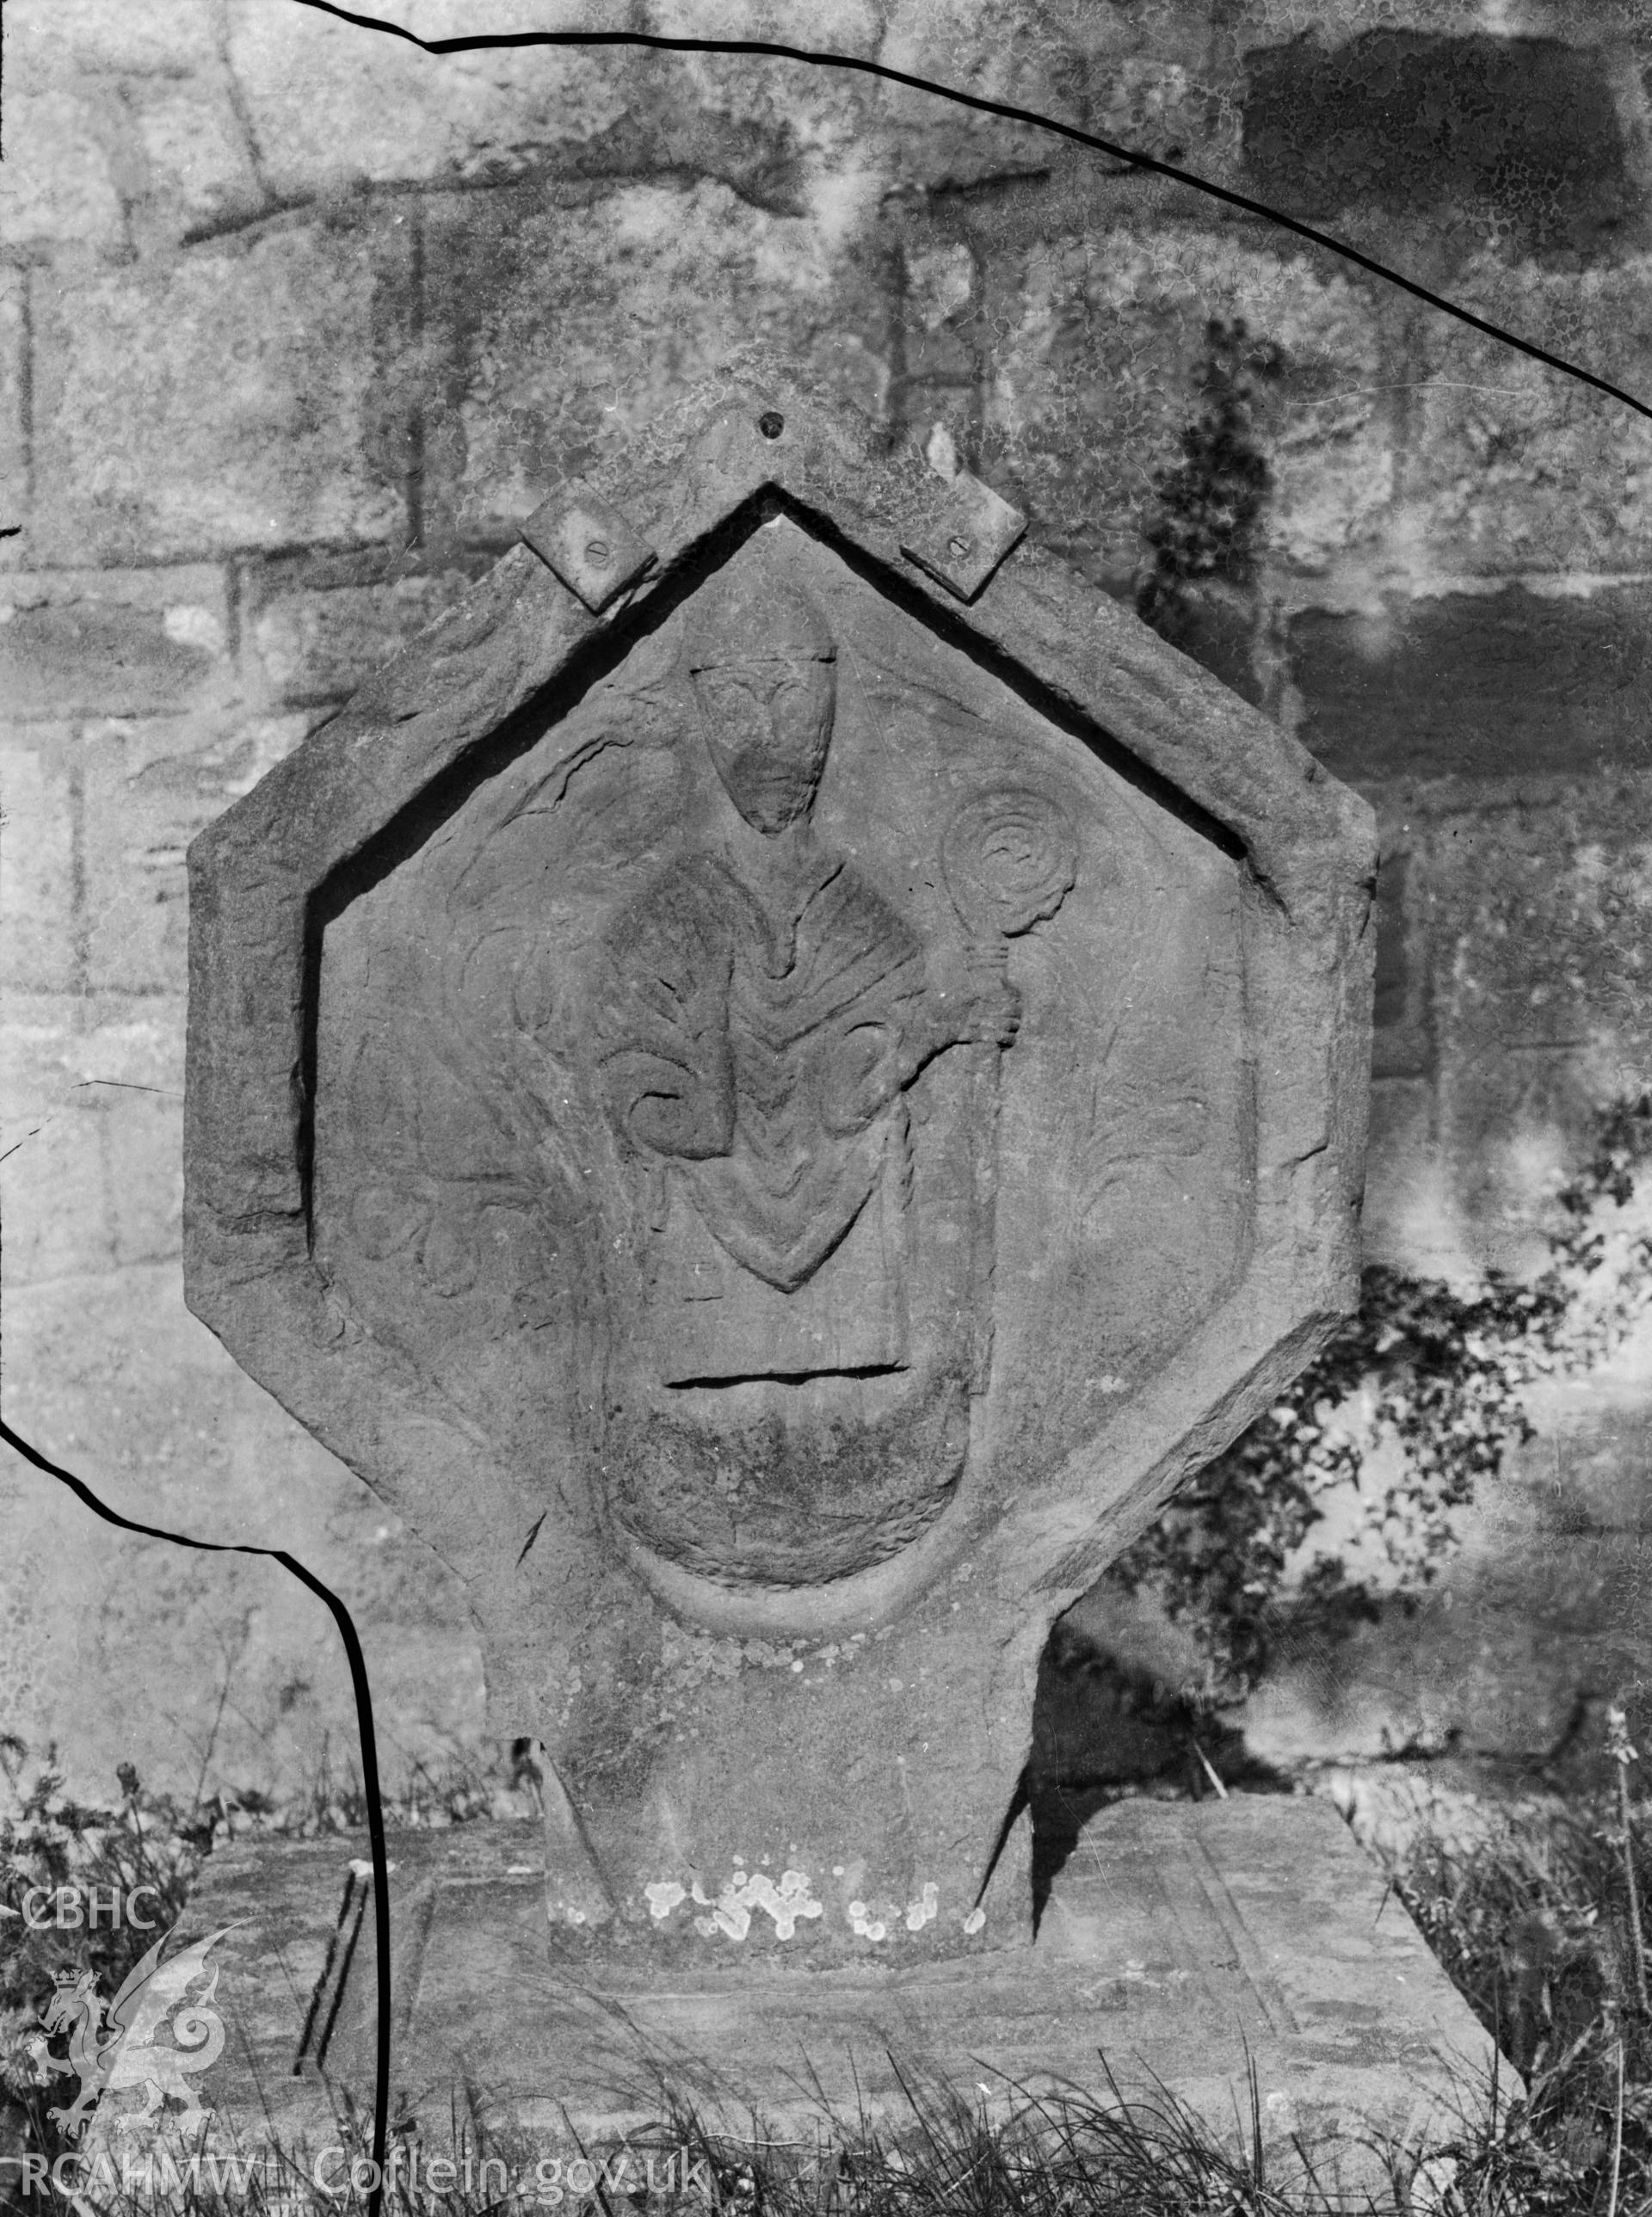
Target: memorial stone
773,1084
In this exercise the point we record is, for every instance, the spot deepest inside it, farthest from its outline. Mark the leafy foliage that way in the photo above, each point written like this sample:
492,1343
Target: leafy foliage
53,1841
1211,503
1536,1927
1434,1372
50,1840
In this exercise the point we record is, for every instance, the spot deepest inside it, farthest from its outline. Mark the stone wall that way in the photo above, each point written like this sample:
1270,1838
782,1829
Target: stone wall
297,324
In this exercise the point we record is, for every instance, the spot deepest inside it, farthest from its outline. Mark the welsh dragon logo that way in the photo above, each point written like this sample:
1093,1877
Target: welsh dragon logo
119,2054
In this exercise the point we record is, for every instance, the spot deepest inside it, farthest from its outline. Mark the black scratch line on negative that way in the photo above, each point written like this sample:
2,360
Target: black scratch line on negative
1006,110
357,1662
772,49
126,1085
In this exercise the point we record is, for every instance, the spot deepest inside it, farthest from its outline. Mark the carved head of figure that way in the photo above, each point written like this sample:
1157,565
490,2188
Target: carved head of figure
763,664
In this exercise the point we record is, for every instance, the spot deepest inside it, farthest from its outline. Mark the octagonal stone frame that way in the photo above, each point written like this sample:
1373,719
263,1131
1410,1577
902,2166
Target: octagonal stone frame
266,875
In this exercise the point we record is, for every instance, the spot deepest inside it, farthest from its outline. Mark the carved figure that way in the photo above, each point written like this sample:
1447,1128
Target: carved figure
640,1226
764,1012
793,1384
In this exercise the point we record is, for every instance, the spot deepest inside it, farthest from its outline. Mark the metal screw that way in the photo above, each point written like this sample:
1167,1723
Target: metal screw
960,549
771,425
598,554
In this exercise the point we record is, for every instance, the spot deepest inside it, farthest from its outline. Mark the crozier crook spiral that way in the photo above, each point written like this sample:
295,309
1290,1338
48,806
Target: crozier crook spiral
1010,856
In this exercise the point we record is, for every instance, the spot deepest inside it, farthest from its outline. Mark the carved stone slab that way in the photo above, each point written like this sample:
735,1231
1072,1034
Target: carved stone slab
774,1123
1181,1941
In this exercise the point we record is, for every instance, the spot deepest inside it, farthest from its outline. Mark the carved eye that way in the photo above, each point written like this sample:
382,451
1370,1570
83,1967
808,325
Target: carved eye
788,689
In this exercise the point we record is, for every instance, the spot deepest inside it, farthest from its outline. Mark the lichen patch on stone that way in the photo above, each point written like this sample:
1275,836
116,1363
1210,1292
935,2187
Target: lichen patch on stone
924,1909
731,1913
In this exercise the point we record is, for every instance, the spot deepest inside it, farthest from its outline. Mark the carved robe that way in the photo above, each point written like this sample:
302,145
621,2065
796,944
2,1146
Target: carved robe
756,1041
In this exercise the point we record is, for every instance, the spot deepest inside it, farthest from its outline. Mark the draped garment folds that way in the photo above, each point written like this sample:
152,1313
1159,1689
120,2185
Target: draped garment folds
756,1041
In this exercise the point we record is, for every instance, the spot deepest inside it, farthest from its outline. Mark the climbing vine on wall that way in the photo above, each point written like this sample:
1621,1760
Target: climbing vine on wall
1211,502
1435,1372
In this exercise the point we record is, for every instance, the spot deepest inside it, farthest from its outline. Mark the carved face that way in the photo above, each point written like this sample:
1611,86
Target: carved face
768,724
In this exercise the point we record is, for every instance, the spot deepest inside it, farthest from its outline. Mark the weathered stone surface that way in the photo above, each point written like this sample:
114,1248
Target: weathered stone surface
1094,374
1179,1940
1535,1624
232,403
170,1658
823,1134
338,108
1471,1669
144,786
317,641
41,1639
335,109
1478,685
92,1115
1537,895
150,38
1403,1041
785,137
124,142
1512,1008
1411,1218
13,415
59,191
1282,20
37,886
127,1607
122,137
1587,1472
1408,120
1512,468
114,642
199,171
575,320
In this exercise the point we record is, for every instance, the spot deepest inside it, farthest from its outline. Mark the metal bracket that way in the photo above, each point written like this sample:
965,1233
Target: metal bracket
964,536
589,545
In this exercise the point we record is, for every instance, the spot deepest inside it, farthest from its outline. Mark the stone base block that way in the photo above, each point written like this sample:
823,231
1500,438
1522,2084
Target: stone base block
1181,1941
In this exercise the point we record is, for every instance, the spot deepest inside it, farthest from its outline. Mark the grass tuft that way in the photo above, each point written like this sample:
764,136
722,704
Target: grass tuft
1532,1907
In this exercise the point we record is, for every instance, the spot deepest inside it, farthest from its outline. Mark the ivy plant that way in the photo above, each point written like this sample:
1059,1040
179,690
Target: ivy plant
1210,502
1435,1372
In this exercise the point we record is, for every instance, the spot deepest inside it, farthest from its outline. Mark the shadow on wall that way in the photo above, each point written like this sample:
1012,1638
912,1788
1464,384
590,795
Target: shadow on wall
1200,591
1521,135
1382,1564
1112,1718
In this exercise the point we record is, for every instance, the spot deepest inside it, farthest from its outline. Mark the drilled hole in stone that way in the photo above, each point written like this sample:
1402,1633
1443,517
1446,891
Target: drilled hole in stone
770,425
598,554
960,549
